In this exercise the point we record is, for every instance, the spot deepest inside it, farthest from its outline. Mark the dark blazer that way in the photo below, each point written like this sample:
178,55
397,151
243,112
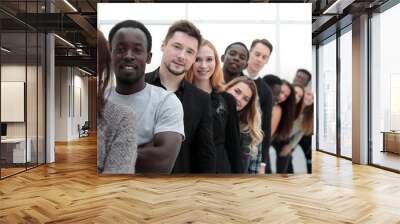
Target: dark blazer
197,154
226,133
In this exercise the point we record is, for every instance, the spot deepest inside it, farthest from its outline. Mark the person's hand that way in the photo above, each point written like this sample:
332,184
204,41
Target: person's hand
286,150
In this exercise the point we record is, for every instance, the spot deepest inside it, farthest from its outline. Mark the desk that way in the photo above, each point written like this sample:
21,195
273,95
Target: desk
391,141
15,148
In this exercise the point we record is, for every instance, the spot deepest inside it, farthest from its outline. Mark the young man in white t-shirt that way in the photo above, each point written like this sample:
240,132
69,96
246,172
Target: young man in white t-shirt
159,113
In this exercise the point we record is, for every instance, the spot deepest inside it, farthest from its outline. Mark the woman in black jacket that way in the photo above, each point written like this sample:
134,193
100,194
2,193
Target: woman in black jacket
206,74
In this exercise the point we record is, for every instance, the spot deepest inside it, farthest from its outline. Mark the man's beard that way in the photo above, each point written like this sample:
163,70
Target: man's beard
175,73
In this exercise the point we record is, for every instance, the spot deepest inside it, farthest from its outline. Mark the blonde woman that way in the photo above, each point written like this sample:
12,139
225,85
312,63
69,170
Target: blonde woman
206,74
245,92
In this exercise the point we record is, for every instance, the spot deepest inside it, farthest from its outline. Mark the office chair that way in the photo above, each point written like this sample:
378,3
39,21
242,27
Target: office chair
84,130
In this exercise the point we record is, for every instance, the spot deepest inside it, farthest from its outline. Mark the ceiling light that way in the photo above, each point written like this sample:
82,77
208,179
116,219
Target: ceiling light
86,72
337,7
5,50
65,41
70,5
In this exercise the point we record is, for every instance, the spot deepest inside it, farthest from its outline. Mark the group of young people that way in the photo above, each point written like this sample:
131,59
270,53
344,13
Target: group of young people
192,115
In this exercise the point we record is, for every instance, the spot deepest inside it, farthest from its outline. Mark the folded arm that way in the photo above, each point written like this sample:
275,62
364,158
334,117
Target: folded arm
159,155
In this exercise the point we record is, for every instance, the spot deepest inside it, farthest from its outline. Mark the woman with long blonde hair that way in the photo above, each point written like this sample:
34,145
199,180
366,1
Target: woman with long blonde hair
206,74
245,92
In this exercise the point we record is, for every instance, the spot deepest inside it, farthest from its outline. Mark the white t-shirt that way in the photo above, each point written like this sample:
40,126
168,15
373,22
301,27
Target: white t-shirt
157,110
246,73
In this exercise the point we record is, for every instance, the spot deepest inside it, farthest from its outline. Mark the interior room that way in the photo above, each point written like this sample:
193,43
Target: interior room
48,92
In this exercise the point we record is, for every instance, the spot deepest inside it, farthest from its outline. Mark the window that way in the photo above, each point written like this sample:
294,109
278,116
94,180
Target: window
346,94
385,86
327,96
242,22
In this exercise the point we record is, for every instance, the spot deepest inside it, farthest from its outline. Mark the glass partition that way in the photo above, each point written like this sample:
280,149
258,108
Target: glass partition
327,96
22,90
13,95
31,98
346,94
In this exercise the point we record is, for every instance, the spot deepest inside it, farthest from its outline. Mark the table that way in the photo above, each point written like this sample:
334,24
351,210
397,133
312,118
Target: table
13,150
391,141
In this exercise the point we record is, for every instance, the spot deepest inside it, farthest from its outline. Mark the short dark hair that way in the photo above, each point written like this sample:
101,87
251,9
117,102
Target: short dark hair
238,43
186,27
272,80
262,41
131,24
305,71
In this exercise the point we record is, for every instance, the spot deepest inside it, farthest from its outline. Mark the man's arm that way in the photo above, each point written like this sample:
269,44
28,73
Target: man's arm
159,155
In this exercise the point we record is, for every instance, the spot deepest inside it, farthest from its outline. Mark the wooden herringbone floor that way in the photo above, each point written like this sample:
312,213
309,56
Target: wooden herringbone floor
70,191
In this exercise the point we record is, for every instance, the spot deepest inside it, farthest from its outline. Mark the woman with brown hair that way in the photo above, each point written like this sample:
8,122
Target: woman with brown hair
283,116
303,126
206,74
117,149
245,92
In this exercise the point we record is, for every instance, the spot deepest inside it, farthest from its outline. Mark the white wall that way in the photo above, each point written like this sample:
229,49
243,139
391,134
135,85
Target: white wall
80,110
70,84
61,103
33,125
14,72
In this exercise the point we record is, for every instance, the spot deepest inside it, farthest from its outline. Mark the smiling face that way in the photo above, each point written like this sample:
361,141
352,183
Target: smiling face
179,53
242,93
235,59
204,66
308,97
259,56
129,55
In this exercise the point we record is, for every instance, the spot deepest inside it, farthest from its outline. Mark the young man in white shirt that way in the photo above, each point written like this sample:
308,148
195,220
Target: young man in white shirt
159,114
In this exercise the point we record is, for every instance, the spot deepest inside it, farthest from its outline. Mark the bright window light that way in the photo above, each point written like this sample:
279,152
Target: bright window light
224,24
114,12
232,12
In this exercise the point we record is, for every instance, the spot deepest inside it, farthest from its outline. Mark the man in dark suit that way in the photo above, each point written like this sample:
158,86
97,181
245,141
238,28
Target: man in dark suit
179,49
260,52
